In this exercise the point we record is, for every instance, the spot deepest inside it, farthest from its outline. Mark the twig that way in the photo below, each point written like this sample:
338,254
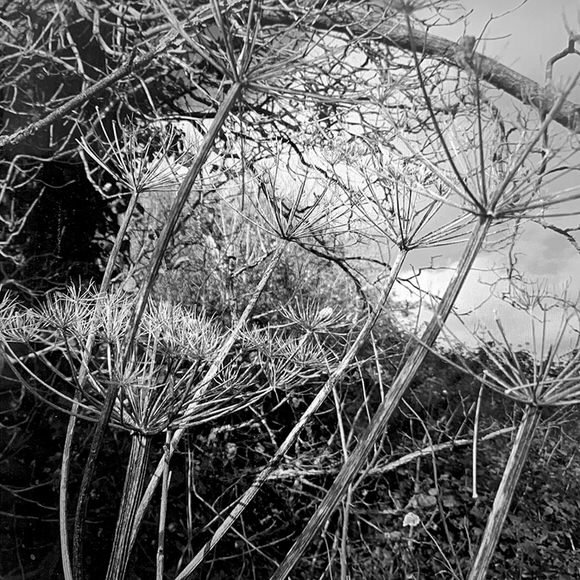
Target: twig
125,69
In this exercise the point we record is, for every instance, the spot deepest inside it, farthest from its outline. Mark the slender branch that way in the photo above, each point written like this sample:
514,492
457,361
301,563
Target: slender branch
377,470
125,69
566,232
270,468
357,459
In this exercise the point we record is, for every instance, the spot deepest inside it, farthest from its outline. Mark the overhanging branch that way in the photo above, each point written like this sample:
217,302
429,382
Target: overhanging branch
491,71
357,20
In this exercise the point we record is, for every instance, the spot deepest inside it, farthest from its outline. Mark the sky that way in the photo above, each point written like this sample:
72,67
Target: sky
522,36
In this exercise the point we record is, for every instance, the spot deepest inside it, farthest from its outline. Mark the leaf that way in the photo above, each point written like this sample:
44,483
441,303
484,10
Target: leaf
425,500
450,501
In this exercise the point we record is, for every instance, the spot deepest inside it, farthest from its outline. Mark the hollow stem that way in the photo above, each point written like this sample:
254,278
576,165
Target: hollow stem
327,388
76,569
212,372
160,559
132,491
183,194
505,492
388,406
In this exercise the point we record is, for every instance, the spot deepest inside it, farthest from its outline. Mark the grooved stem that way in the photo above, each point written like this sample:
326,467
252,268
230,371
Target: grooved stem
391,402
505,492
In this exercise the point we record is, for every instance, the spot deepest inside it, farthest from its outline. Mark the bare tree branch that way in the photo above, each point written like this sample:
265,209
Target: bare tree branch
355,22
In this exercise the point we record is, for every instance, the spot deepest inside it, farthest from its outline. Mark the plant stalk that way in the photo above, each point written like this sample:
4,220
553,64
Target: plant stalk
388,406
182,196
285,446
132,491
76,571
160,560
505,492
212,372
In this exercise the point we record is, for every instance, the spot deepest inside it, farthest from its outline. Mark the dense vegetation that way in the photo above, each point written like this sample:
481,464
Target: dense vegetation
215,463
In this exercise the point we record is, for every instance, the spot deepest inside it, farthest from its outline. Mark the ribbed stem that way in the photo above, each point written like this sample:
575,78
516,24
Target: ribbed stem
77,570
265,473
132,492
160,560
505,492
213,370
388,406
183,194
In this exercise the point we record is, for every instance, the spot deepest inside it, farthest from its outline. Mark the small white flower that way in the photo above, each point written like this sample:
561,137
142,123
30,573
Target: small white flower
231,450
411,520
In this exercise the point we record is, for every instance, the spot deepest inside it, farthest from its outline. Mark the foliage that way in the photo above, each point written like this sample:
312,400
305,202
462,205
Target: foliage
537,541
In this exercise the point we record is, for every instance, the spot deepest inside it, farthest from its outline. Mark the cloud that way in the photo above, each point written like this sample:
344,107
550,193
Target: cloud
484,300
